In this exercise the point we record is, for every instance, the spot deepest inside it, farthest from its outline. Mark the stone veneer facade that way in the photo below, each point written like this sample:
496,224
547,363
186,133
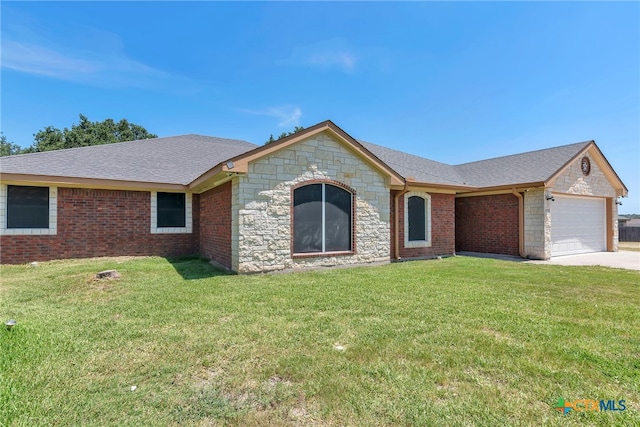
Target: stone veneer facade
537,225
537,209
261,207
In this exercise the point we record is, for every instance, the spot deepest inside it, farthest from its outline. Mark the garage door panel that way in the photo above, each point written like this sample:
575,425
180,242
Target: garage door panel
577,225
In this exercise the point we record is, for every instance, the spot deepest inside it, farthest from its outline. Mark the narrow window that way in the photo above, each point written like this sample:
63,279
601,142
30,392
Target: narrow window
27,207
417,219
322,219
171,210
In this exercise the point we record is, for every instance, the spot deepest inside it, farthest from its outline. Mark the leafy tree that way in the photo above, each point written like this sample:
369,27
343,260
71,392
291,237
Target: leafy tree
87,133
284,134
8,148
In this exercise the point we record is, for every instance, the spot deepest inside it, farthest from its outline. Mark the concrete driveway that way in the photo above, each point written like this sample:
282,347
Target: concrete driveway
621,259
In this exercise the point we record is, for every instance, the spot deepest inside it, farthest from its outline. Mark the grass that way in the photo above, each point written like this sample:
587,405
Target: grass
458,341
629,246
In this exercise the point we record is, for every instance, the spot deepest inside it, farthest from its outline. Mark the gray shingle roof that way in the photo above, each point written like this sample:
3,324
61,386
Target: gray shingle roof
172,160
411,166
182,159
533,166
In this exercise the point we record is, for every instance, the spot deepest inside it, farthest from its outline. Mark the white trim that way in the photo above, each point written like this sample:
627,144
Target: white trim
53,216
427,218
188,211
324,234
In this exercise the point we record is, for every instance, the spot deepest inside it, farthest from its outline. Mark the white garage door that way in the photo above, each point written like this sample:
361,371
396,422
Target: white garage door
577,225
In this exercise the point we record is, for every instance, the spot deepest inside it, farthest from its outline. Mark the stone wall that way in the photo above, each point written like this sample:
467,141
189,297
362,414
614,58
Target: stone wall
573,181
537,209
537,225
261,207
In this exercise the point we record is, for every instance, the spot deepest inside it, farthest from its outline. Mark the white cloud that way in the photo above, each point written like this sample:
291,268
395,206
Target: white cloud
344,60
33,59
332,53
95,68
287,115
82,54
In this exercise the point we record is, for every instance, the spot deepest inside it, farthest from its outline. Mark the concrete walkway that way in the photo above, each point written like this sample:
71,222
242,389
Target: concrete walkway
623,259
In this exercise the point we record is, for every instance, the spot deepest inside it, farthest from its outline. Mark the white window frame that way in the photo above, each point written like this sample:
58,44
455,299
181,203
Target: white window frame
188,222
427,217
53,214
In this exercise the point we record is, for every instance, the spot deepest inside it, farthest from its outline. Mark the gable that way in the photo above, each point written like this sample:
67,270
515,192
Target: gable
240,164
321,156
601,179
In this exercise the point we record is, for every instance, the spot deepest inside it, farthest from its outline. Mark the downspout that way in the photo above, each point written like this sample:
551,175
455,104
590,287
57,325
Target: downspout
520,222
396,237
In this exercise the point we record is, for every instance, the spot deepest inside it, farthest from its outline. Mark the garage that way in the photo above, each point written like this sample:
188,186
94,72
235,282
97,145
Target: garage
577,225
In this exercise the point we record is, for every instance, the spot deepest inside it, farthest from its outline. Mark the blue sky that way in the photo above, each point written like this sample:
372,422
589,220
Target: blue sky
450,81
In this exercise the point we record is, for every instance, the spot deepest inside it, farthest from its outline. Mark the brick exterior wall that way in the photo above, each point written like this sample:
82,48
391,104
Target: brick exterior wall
94,223
215,224
442,227
487,224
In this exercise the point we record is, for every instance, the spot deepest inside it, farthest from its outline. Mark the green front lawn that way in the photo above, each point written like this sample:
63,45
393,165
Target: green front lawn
458,341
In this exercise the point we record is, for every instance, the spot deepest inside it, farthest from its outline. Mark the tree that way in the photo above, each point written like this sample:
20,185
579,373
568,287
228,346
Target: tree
284,134
8,148
87,133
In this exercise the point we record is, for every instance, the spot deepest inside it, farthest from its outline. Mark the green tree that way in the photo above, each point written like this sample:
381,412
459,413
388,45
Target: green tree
284,134
8,148
87,133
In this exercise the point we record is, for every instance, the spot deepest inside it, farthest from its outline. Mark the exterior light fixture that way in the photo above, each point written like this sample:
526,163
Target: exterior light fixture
10,324
230,164
618,202
549,196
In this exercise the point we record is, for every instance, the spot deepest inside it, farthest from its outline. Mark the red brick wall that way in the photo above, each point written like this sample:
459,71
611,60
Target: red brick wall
215,224
94,223
442,227
487,224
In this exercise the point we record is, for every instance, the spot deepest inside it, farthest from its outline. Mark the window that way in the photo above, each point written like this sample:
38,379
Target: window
26,209
171,209
322,219
417,224
170,213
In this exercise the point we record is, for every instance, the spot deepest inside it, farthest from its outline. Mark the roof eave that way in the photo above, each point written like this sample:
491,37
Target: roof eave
517,186
451,187
79,182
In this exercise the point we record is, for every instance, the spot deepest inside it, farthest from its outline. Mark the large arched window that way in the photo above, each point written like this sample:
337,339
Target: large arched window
322,219
417,221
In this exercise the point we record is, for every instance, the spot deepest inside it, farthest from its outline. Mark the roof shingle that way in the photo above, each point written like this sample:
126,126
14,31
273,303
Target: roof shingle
532,166
171,160
182,159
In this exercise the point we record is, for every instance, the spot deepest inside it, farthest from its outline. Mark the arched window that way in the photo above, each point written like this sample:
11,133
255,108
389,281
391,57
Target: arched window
322,219
417,223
